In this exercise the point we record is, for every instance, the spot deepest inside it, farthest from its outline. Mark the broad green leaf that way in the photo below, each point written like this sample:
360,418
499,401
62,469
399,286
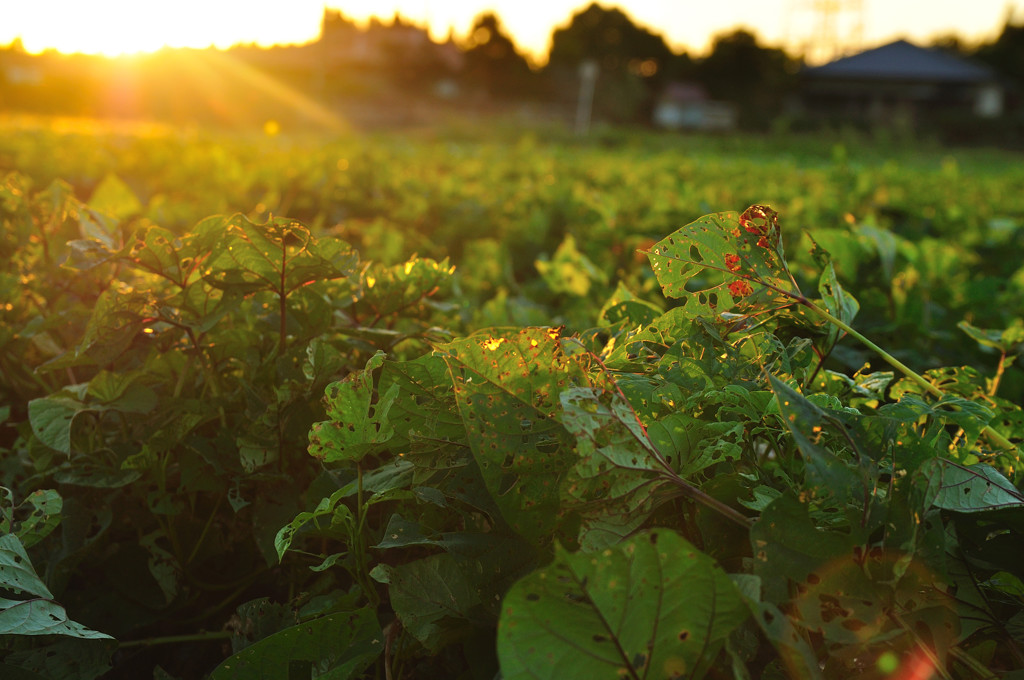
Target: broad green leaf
618,467
52,418
624,306
786,544
259,619
795,652
337,646
725,262
972,488
424,413
40,617
427,594
507,387
399,288
279,256
690,444
570,271
1003,340
44,517
122,392
113,197
355,424
16,571
652,606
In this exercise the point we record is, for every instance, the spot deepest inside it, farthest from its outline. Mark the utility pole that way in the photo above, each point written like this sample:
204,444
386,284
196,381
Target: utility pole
585,105
826,29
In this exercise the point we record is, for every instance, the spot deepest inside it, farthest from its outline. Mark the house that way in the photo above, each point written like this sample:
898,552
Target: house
686,106
900,82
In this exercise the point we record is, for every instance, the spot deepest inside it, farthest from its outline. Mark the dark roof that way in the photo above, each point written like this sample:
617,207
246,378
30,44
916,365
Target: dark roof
903,61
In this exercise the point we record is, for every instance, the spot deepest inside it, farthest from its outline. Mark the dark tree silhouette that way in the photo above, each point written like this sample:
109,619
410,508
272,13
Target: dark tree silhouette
494,64
633,62
757,79
1006,54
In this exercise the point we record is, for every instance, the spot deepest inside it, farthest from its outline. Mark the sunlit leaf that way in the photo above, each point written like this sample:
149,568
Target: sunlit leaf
356,422
725,262
507,388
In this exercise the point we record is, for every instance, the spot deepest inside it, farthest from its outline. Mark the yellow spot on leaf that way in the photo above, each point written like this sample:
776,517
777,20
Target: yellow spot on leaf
493,343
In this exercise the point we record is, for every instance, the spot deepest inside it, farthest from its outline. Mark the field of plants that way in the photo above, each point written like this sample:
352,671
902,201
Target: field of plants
492,403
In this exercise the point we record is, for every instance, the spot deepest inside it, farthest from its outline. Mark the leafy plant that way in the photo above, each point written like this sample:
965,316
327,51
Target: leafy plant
238,449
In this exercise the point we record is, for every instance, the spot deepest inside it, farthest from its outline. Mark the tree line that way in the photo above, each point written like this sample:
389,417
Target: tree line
634,65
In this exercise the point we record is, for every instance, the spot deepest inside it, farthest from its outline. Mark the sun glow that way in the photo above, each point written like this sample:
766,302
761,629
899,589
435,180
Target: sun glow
123,27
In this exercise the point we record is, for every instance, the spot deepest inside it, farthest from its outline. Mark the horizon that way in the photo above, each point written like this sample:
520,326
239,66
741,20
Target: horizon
226,23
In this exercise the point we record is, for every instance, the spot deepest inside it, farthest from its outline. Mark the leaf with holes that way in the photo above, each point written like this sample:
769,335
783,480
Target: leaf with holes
507,388
653,606
356,424
618,467
725,262
972,488
279,256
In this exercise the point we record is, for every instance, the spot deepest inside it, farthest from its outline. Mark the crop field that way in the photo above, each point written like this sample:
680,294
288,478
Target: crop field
487,402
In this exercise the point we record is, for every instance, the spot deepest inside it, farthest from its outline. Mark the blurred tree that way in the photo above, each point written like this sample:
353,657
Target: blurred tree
634,63
1006,54
493,63
951,43
757,79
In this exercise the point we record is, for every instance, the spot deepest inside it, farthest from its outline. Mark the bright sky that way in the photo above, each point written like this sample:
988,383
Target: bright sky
125,26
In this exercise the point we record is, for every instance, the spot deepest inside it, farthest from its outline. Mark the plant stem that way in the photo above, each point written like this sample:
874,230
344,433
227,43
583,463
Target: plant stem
993,436
173,639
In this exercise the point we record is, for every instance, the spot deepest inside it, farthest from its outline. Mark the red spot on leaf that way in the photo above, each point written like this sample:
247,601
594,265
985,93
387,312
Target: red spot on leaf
740,289
732,262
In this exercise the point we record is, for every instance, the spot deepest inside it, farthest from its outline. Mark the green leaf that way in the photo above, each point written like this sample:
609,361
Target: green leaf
618,466
338,646
16,571
570,271
623,306
51,419
340,524
356,424
652,606
425,593
725,262
40,617
44,517
113,197
279,256
972,488
507,388
1003,340
827,473
786,544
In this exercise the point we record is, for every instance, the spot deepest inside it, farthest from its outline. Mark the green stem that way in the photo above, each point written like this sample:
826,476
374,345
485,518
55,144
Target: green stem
993,436
174,639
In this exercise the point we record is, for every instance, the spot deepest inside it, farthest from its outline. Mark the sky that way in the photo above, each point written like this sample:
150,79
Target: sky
127,26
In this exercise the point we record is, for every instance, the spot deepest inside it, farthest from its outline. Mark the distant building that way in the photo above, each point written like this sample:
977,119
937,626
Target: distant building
686,106
900,82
